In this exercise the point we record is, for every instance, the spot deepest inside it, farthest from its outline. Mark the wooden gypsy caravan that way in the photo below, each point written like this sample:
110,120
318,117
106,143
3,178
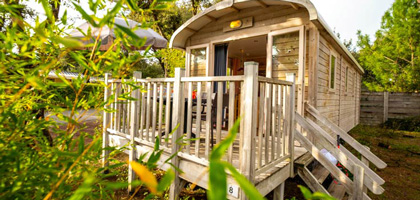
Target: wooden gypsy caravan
276,64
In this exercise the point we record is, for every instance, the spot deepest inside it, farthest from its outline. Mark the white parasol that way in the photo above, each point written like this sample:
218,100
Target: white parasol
152,38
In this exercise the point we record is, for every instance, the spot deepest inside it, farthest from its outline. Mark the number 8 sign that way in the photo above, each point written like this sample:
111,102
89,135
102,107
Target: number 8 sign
233,190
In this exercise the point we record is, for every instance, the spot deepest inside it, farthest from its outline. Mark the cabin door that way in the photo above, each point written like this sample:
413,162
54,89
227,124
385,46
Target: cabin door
285,56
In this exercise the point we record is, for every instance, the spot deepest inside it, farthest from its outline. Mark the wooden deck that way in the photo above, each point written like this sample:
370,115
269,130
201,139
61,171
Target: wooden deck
196,168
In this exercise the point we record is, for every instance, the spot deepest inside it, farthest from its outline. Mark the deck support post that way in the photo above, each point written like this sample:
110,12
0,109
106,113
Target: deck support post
366,162
134,129
105,121
247,160
290,109
177,119
279,192
358,176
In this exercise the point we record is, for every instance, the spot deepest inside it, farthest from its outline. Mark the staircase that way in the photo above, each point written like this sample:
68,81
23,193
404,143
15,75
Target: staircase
320,174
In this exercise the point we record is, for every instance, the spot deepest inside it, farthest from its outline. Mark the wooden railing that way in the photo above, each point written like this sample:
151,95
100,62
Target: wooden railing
204,109
363,176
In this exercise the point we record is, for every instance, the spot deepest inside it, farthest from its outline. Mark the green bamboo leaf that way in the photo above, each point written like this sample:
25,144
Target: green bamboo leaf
127,31
166,180
133,5
81,145
161,7
85,16
111,14
305,191
85,188
322,196
68,42
47,9
217,181
221,148
64,18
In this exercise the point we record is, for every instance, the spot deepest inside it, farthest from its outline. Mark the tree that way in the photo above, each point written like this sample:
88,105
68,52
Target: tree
392,61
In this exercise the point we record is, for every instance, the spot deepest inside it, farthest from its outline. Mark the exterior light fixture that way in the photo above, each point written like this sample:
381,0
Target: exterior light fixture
235,24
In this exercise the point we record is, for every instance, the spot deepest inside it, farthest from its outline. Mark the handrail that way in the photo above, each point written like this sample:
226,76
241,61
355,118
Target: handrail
346,137
327,141
335,171
212,78
274,81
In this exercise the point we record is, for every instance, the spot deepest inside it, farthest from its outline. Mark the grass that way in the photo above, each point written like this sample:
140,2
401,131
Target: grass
401,151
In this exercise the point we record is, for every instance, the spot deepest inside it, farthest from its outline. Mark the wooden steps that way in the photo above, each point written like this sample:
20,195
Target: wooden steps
304,160
320,173
337,190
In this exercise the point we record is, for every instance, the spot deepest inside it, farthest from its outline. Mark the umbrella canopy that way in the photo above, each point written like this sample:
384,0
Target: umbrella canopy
152,38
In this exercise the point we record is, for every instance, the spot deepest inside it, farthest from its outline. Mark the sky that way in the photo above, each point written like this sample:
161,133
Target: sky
348,16
342,16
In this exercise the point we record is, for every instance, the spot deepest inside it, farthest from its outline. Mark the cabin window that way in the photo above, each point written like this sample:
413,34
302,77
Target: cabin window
332,71
198,62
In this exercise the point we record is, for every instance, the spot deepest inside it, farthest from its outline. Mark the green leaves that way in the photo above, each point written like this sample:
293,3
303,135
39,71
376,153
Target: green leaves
85,188
315,196
217,174
68,42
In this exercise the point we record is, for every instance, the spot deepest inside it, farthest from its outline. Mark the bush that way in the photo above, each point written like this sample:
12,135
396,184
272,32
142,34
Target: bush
407,124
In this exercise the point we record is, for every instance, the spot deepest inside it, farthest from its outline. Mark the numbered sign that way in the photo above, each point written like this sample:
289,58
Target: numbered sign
233,190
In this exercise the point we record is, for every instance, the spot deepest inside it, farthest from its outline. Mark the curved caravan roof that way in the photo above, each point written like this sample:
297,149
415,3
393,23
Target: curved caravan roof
226,7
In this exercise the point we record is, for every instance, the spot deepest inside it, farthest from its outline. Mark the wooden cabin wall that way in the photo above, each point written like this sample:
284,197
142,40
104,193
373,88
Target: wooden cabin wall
341,104
265,19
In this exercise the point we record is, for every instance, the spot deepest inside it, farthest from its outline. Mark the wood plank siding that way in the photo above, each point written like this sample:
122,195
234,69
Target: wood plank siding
340,104
271,18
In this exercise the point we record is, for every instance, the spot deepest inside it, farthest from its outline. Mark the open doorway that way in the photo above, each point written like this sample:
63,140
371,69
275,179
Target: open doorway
249,49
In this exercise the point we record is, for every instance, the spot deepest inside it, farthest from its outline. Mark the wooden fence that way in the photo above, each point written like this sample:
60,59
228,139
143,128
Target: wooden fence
377,107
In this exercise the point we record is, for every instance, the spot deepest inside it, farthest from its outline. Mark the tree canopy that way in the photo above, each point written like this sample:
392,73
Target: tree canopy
392,60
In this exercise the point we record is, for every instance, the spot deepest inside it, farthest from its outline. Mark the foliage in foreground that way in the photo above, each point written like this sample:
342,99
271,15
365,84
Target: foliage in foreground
40,158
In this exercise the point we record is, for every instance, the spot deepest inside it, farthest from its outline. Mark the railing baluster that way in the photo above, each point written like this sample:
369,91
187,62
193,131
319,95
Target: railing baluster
143,112
219,113
168,112
231,120
209,86
118,118
160,111
280,142
242,123
189,116
273,122
112,107
198,120
124,111
267,116
261,125
148,111
285,125
154,111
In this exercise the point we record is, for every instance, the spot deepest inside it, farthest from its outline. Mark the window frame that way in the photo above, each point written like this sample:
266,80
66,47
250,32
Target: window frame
188,58
333,88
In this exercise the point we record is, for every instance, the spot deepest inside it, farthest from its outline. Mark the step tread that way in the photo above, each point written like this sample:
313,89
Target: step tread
337,190
320,173
305,159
